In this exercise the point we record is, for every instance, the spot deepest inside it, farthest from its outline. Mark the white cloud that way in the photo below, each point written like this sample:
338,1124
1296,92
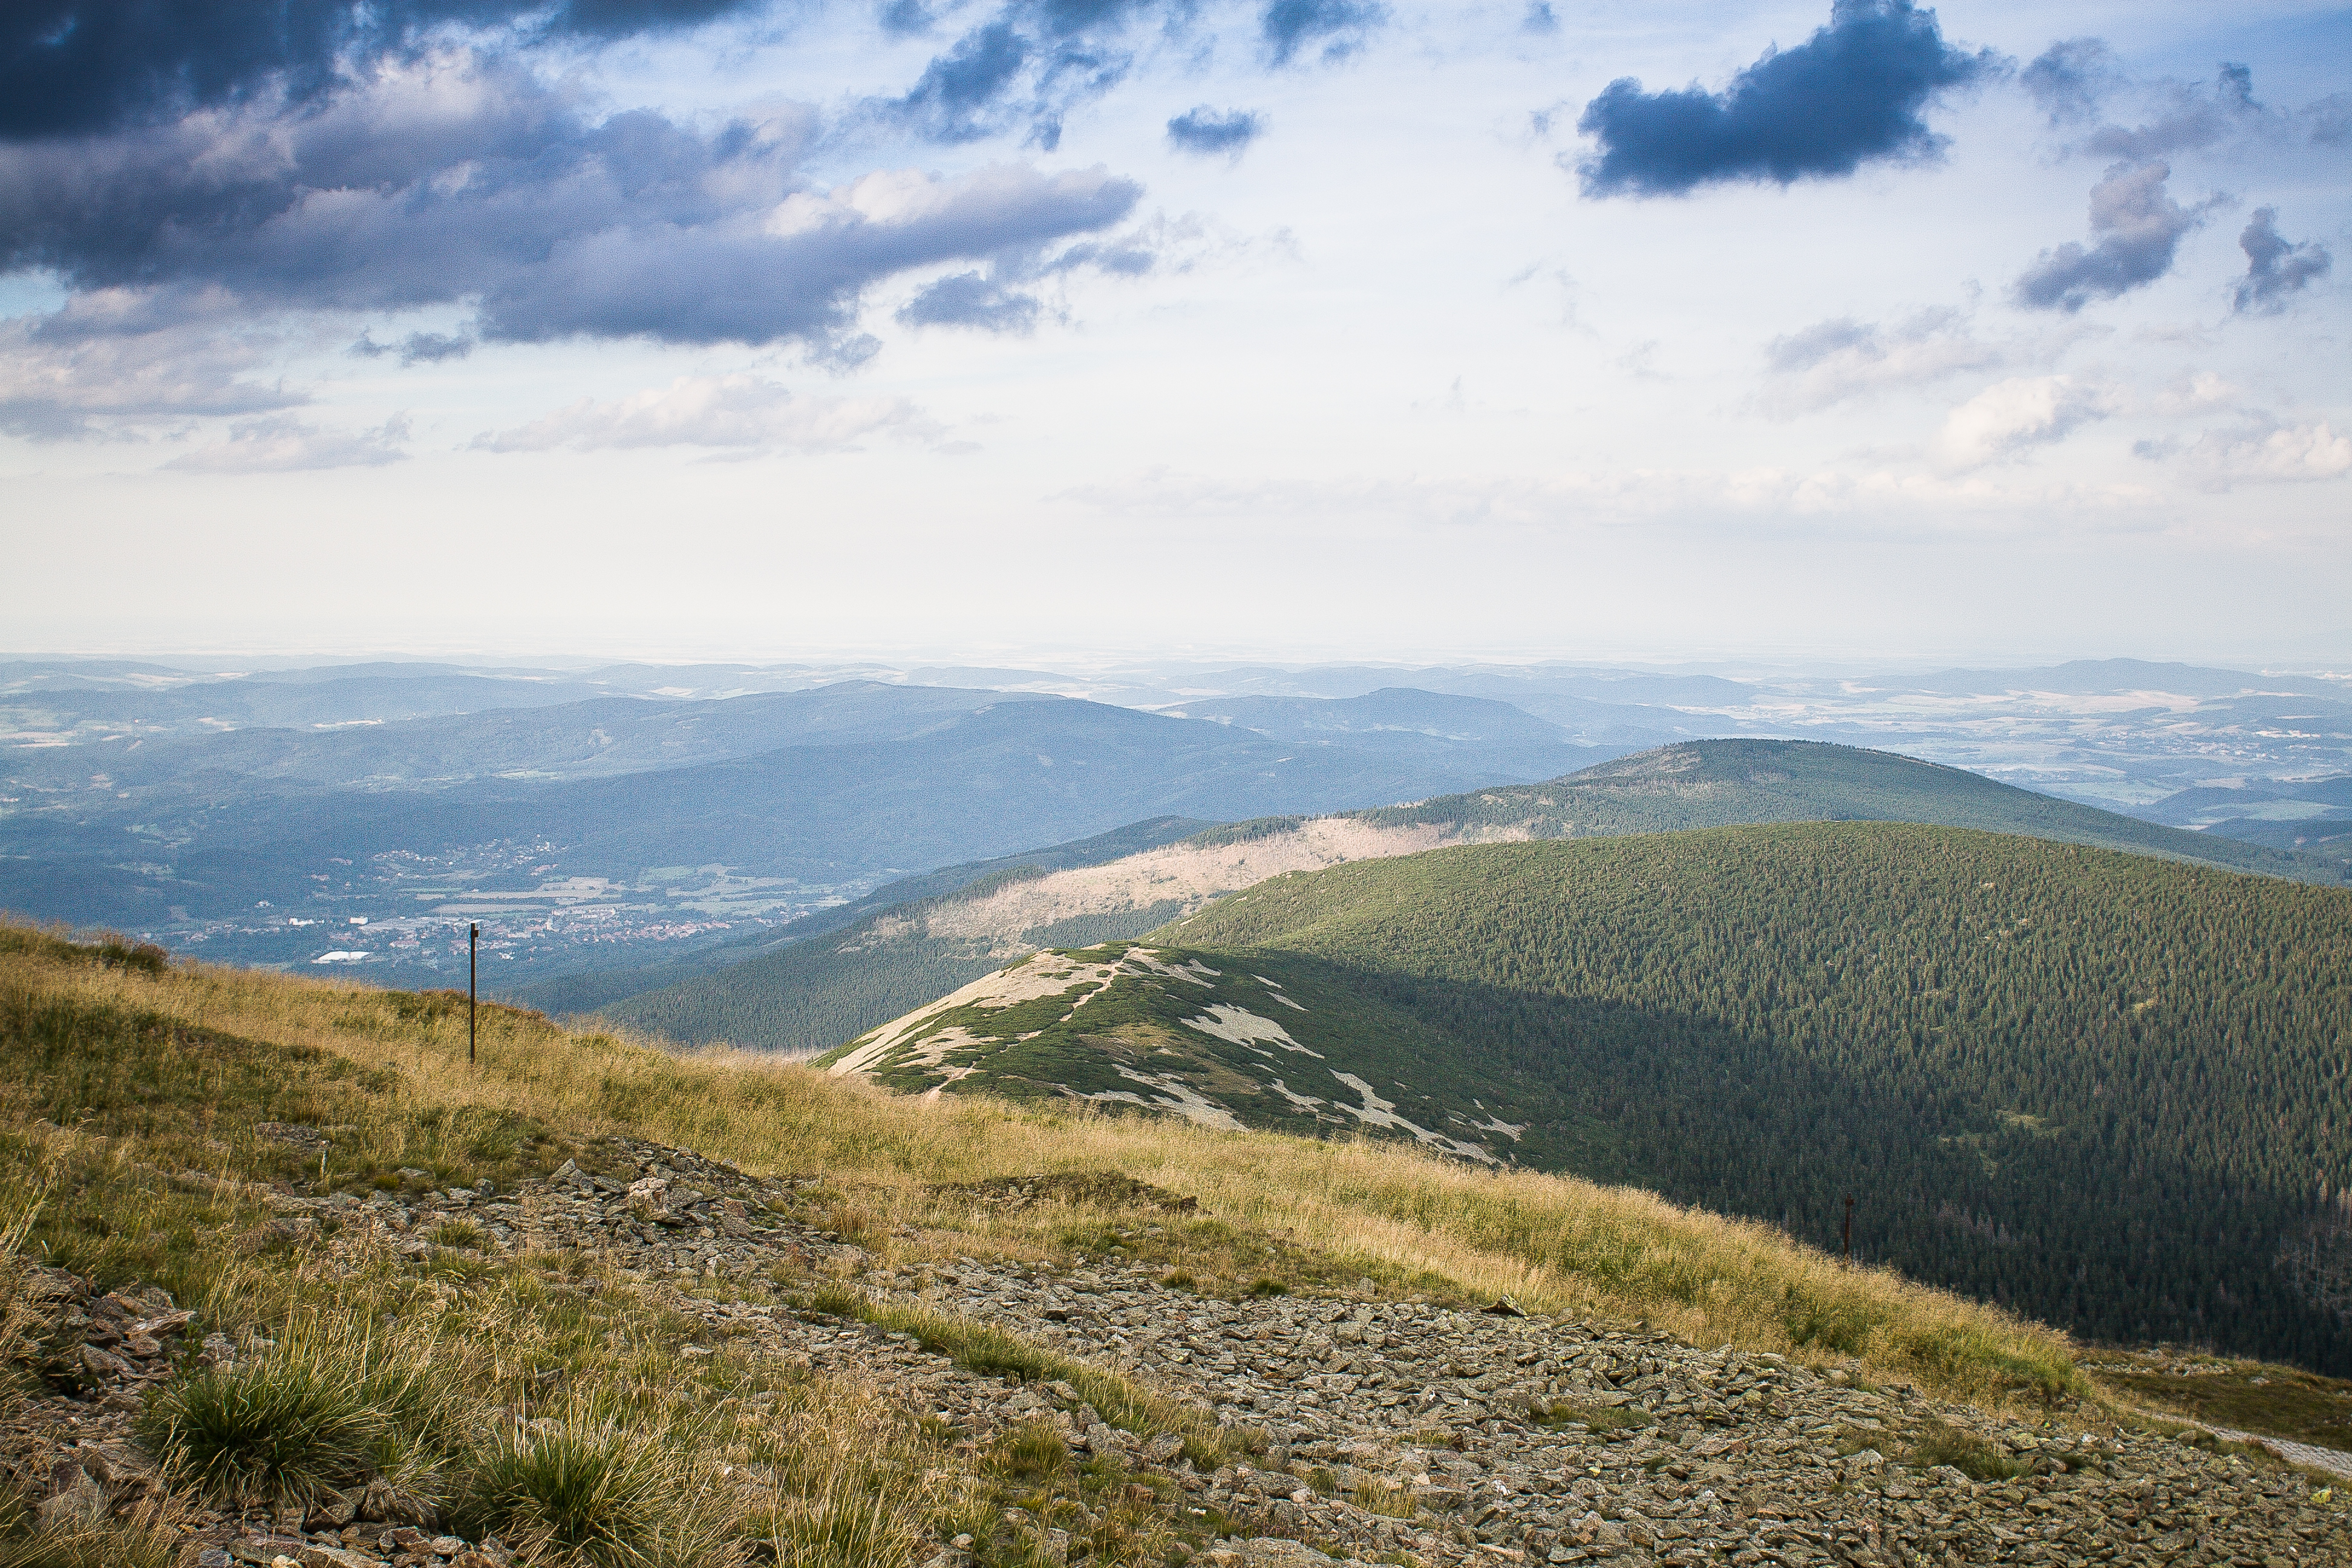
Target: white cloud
2223,457
2008,417
729,411
283,445
114,359
1830,361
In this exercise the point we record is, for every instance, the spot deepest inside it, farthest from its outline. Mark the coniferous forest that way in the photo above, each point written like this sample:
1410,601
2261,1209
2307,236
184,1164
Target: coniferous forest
2106,1091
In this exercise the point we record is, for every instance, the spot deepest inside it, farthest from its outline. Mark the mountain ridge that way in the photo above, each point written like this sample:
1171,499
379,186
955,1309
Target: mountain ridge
795,997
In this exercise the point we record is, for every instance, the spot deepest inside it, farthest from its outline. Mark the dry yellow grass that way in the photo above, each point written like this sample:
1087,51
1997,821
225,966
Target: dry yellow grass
1554,1244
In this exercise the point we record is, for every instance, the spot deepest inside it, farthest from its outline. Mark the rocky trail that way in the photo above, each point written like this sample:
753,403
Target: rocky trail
1364,1429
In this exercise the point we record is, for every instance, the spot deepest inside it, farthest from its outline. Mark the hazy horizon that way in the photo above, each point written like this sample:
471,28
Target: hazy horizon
1819,331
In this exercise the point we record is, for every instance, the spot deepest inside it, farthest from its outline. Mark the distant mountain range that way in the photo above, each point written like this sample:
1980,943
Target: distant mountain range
626,805
804,996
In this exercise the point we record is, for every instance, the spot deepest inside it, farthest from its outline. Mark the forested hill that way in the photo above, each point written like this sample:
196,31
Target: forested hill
809,995
2107,1090
1718,784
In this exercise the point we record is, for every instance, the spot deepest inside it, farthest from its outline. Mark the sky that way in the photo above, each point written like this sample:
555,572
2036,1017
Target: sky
1292,328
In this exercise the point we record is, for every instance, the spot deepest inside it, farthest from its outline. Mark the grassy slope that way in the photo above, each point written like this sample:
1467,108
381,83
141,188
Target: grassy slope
164,1076
807,999
2059,1077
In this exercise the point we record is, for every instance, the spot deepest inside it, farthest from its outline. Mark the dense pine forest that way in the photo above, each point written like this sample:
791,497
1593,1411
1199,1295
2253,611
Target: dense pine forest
2106,1091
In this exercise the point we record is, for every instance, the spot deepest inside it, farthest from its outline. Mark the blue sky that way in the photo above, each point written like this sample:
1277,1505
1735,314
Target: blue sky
1301,327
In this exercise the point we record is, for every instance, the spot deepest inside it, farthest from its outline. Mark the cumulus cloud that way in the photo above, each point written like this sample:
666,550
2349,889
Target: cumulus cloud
463,179
1288,28
1852,93
115,359
2069,79
1830,361
2008,418
78,66
968,299
2138,226
2275,266
1203,129
740,411
2189,116
2270,453
285,445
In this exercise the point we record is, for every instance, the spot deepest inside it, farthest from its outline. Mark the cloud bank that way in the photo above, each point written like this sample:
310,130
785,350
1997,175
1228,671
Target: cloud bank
1852,93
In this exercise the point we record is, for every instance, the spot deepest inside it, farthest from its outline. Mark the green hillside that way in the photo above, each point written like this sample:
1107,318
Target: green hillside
811,994
2107,1090
1719,783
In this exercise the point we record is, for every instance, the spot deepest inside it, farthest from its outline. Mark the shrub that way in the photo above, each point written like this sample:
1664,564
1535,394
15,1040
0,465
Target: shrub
592,1495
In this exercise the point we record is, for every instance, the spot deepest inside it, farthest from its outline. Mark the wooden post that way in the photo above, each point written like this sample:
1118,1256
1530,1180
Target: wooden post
473,946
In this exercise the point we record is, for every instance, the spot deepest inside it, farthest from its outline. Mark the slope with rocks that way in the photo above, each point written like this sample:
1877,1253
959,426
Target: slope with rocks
808,996
1992,1036
511,1314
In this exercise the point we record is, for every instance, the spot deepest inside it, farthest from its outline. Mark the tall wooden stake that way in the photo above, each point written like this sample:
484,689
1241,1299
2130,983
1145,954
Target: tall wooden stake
473,947
1849,1227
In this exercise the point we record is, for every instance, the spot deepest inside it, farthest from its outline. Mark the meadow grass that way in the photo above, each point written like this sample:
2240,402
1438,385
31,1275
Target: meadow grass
208,1051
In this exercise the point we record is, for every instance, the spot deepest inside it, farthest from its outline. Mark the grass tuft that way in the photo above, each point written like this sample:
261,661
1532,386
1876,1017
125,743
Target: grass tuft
282,1429
588,1495
1964,1451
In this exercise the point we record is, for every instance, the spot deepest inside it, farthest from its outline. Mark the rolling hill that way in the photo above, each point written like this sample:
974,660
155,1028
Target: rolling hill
806,996
2102,1088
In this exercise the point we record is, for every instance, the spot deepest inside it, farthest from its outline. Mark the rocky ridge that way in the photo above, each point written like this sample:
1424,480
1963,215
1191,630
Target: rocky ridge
1376,1427
1357,1427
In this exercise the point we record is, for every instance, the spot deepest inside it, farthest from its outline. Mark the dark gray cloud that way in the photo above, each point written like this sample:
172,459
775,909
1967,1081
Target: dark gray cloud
465,179
2069,79
1027,65
418,348
2136,226
2276,266
80,66
2191,116
1852,93
1288,28
1203,129
969,300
